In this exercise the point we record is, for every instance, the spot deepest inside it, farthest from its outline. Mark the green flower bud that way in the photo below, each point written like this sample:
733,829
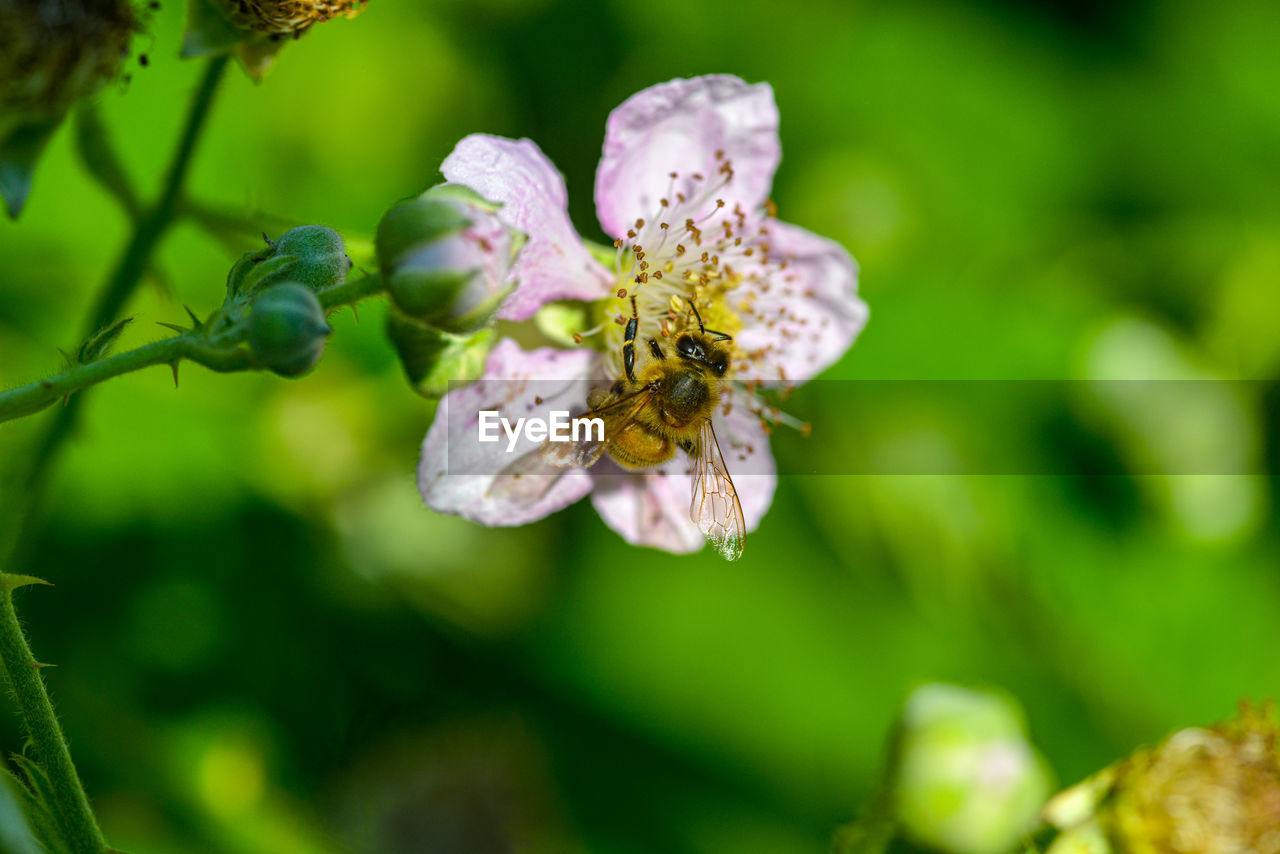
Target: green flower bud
309,254
1204,790
965,779
322,256
446,258
287,328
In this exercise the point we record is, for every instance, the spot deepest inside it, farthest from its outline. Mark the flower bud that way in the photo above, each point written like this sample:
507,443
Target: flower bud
965,779
52,53
1211,789
287,328
446,258
309,254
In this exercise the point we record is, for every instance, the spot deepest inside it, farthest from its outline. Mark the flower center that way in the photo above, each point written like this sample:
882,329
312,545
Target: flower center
693,248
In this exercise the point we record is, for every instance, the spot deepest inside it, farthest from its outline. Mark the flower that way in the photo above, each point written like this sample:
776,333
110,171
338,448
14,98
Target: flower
682,188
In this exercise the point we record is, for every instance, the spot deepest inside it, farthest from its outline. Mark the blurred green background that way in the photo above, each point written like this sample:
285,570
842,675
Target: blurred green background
266,644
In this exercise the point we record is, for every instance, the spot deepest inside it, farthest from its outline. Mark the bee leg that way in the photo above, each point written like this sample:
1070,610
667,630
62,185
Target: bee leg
655,349
629,343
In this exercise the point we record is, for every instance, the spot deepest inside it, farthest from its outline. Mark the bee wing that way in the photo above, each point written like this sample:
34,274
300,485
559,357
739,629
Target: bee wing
716,509
529,477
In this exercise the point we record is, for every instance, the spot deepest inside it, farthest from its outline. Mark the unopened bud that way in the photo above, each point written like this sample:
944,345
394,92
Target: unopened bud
965,778
311,255
287,328
446,258
1209,790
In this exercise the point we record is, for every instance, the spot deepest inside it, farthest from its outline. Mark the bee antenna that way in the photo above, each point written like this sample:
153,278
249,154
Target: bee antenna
720,336
694,306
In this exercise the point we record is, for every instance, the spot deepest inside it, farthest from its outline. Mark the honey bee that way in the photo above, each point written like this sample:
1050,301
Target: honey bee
649,414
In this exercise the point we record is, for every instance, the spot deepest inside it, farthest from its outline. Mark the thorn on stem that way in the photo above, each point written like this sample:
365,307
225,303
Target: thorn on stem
174,367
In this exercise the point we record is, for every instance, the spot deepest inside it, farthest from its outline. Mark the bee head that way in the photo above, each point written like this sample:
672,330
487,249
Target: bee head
698,348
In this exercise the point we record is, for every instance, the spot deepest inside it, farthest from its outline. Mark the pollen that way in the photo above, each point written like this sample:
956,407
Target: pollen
720,246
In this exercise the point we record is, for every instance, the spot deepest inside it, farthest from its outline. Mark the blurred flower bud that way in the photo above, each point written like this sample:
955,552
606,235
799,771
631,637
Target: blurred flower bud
288,17
965,779
287,328
309,254
446,258
1212,790
52,53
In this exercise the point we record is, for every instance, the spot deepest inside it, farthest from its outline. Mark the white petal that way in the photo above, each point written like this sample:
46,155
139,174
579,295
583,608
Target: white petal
679,126
554,264
802,319
457,471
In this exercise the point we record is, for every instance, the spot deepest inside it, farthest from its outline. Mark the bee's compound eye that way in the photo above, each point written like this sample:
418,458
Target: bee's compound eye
686,346
720,365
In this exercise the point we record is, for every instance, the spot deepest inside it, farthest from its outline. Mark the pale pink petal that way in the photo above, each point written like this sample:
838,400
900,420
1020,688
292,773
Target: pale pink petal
554,264
457,473
679,126
799,320
651,508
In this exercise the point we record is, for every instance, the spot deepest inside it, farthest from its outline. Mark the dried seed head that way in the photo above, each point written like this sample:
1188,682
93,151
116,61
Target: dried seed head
1204,790
289,17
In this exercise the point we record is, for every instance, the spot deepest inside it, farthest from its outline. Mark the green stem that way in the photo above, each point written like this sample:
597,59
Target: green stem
70,802
25,680
128,272
220,353
153,226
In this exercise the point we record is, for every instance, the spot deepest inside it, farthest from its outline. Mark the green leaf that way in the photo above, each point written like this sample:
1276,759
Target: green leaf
98,344
16,835
40,815
257,54
209,32
432,358
20,148
13,582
